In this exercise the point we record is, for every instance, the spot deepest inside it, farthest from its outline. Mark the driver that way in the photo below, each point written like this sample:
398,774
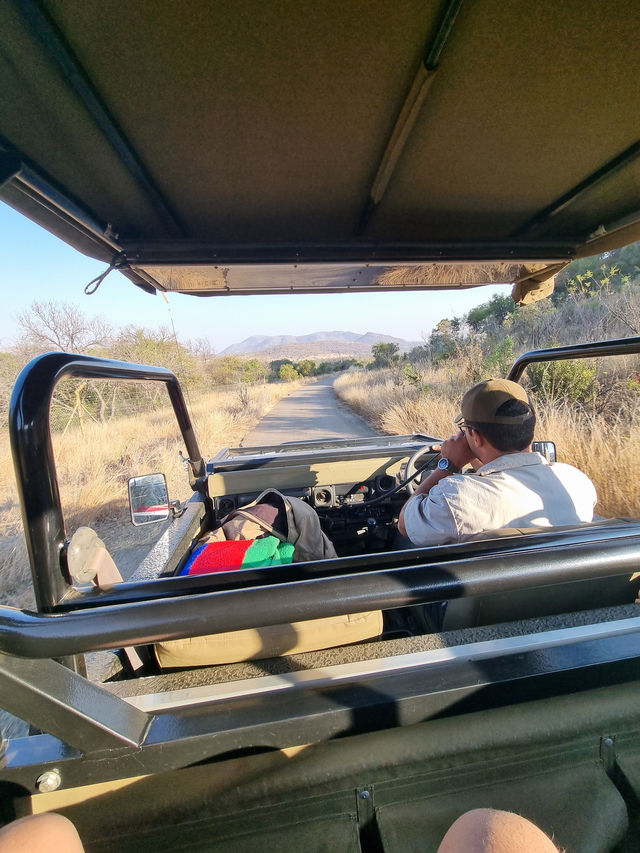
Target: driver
509,487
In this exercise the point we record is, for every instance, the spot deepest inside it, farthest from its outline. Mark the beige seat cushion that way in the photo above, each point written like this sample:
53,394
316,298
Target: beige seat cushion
270,641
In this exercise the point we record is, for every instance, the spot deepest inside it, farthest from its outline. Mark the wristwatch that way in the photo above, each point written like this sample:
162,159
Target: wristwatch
445,464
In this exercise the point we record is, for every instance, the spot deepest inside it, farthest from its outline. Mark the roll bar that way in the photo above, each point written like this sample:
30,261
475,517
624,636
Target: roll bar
32,450
104,627
621,346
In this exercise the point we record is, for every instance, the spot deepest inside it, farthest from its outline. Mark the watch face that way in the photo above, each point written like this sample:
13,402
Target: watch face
443,464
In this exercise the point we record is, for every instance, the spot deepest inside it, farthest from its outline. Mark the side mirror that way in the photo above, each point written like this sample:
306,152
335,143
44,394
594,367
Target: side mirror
546,449
148,499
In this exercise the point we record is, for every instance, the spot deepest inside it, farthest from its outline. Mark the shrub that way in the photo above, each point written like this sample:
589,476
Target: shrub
573,381
288,373
469,360
306,367
501,358
384,354
411,375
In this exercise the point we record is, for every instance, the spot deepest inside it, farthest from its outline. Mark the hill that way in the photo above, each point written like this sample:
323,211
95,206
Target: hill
318,344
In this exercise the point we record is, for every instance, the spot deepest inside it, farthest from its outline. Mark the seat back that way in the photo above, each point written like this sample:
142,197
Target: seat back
517,604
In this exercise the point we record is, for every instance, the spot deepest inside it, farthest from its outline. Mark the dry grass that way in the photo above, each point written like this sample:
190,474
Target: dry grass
607,449
609,453
94,466
461,273
396,407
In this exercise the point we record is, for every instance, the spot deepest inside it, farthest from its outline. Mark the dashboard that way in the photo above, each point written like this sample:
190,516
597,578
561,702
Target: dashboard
349,482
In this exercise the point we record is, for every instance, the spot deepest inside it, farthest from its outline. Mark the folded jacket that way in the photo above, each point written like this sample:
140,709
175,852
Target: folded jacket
238,554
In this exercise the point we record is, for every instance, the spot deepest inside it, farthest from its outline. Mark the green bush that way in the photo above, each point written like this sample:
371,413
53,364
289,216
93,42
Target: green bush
288,373
501,358
498,308
573,380
306,367
411,375
384,354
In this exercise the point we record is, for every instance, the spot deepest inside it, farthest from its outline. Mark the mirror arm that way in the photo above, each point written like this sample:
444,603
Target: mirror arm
176,508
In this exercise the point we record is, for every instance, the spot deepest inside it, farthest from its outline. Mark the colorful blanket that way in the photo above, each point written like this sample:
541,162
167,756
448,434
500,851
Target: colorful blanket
237,554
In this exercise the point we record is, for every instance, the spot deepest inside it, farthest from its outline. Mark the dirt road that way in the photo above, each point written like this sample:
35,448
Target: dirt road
313,411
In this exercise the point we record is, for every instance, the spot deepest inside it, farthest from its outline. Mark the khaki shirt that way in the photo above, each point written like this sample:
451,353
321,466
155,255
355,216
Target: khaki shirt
515,490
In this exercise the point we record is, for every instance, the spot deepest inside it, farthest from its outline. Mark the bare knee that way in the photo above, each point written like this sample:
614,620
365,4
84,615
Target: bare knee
493,831
43,833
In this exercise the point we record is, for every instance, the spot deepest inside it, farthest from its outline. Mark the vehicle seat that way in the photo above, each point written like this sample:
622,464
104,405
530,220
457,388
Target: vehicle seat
271,641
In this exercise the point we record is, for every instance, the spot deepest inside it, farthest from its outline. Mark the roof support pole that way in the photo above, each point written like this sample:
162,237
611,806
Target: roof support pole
409,113
32,635
13,170
63,703
618,162
401,131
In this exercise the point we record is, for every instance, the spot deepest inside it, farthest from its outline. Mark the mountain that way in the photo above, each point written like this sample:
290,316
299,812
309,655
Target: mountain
340,343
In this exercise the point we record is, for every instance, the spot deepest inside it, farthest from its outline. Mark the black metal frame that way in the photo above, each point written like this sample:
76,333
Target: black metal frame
172,252
621,346
93,735
187,608
449,558
30,435
96,736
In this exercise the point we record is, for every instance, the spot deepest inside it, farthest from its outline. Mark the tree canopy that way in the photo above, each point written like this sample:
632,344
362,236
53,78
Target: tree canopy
384,354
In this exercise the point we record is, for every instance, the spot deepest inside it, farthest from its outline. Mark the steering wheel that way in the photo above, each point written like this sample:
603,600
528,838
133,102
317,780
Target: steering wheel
416,461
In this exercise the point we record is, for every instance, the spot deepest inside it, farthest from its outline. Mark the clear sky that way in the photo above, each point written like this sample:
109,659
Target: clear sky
35,265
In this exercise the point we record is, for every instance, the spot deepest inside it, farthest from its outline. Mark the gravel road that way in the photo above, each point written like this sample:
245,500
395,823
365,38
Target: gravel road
313,411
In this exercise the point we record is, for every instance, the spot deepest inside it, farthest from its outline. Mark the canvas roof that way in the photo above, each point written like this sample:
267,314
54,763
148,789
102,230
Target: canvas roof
317,146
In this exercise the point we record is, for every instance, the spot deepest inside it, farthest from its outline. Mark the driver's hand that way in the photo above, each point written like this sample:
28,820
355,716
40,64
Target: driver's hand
457,450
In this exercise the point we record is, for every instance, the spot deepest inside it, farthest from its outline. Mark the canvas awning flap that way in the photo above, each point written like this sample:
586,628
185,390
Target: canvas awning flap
212,280
535,282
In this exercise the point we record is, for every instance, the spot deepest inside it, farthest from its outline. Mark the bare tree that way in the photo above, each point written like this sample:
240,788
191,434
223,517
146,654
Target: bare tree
202,349
61,326
625,309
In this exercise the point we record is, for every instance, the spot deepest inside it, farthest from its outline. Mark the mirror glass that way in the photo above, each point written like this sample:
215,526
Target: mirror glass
546,449
148,499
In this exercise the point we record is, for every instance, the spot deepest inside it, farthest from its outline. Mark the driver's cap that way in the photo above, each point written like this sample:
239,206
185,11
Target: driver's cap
480,403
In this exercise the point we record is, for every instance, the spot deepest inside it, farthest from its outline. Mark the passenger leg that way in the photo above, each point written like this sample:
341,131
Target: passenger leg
493,831
42,833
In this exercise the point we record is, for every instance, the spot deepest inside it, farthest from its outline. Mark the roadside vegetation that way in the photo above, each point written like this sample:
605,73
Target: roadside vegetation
47,326
589,408
105,432
94,462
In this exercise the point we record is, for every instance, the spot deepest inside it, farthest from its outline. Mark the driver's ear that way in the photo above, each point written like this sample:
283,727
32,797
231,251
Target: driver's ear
478,439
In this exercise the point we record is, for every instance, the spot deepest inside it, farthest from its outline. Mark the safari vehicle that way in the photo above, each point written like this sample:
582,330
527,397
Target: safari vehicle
217,149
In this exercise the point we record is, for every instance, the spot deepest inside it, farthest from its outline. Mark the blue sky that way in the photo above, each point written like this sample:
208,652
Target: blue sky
35,265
